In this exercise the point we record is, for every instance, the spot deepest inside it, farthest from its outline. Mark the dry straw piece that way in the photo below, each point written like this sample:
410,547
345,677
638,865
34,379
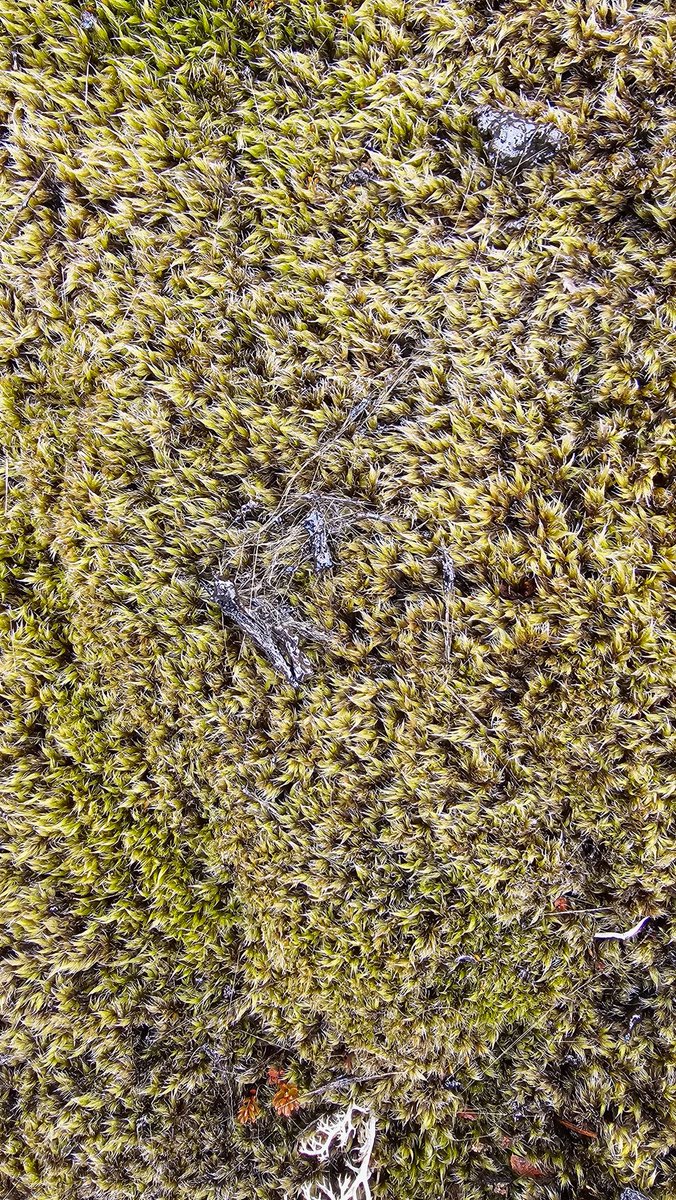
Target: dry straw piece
263,263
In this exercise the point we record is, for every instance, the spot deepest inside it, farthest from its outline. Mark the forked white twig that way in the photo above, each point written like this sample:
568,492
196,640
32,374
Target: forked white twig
623,937
352,1131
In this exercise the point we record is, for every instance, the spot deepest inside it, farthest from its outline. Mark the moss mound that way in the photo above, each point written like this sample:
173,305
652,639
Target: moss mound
268,294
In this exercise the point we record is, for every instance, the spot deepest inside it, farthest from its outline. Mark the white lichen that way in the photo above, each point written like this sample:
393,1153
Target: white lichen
350,1133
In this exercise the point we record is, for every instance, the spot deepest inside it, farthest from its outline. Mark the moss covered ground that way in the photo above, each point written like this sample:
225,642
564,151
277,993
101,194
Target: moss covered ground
257,265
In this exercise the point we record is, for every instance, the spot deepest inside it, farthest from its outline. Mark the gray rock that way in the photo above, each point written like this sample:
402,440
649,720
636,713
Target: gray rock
514,143
632,1194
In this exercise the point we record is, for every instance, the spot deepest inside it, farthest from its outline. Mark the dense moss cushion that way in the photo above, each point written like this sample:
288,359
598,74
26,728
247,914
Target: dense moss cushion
266,279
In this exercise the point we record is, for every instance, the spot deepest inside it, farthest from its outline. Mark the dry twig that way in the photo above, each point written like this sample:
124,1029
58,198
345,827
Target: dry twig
623,937
448,576
271,633
24,204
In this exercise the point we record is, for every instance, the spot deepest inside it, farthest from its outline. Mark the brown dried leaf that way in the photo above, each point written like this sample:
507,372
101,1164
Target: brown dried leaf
467,1114
527,1169
580,1129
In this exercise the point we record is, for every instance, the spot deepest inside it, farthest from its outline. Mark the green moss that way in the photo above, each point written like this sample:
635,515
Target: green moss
255,262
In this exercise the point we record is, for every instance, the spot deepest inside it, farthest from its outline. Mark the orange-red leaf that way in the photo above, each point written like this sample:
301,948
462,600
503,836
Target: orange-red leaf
583,1132
249,1110
526,1168
275,1076
561,904
285,1100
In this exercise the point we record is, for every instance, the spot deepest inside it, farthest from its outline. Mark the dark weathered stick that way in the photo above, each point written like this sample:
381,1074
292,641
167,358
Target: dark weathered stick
448,576
279,644
319,540
447,571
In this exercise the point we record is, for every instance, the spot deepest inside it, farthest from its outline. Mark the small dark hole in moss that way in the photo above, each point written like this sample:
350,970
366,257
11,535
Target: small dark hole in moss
352,621
55,199
593,852
406,345
524,589
400,588
588,571
464,584
142,1037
